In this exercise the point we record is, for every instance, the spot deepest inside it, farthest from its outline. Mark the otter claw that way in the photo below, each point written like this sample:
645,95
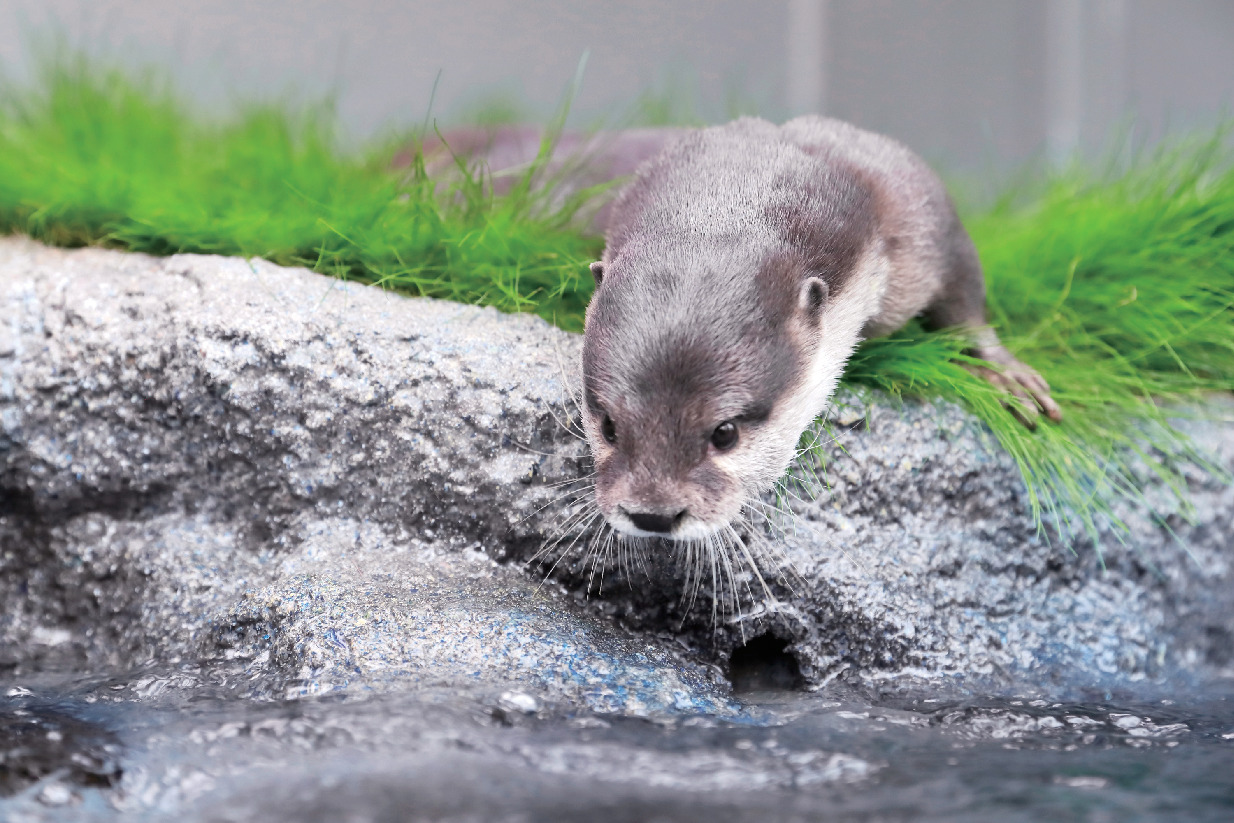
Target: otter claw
1030,394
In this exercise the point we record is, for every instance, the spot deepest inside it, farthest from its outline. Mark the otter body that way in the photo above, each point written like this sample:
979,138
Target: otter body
743,265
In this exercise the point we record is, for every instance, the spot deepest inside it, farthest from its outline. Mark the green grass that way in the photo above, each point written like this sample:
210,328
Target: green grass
1119,289
93,157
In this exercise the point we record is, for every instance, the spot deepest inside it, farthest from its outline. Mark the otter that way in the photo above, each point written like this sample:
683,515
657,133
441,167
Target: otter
577,161
743,264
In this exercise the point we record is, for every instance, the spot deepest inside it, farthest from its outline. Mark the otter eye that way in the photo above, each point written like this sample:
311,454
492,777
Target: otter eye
725,436
609,430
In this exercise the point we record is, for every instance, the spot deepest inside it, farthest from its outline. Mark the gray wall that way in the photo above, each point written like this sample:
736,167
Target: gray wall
970,83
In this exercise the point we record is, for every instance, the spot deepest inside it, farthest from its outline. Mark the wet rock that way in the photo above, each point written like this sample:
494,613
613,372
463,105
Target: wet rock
919,559
331,486
350,606
211,458
38,743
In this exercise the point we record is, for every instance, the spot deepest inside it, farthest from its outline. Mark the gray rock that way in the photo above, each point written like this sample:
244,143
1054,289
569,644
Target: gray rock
215,458
331,486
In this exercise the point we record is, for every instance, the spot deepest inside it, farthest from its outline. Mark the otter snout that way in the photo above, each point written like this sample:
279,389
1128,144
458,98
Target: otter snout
654,522
671,506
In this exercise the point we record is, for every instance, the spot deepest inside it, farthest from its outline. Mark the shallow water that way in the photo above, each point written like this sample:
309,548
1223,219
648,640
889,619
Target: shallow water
207,747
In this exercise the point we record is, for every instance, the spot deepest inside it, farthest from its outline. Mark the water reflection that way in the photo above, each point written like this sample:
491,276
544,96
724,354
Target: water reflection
149,744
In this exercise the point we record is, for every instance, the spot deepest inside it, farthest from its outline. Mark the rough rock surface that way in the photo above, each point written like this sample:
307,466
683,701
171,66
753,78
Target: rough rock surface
921,559
213,458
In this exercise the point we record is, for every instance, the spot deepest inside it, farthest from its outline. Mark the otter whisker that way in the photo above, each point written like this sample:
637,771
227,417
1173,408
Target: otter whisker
569,392
789,492
774,519
693,563
587,476
586,525
591,558
715,562
739,544
732,602
588,508
715,579
564,495
566,426
688,559
817,431
771,556
811,486
565,379
596,554
623,557
822,538
579,507
623,550
636,548
583,528
734,587
822,434
769,551
605,550
567,384
530,450
767,527
575,519
609,551
721,542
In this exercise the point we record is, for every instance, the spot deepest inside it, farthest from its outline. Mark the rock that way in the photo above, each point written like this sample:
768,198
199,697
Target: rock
920,560
215,458
330,486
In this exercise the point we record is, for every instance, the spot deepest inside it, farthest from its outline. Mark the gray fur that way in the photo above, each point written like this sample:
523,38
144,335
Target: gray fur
743,264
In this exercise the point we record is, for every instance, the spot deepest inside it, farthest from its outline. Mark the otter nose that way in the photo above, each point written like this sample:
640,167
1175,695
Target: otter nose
656,521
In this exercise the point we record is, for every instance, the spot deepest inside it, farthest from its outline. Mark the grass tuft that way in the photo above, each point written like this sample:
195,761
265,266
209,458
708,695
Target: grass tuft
1120,290
98,157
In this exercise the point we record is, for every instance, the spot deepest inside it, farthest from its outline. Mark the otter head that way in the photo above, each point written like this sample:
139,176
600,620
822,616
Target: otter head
693,365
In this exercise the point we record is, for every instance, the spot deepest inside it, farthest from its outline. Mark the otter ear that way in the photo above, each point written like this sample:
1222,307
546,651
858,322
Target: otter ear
597,271
813,296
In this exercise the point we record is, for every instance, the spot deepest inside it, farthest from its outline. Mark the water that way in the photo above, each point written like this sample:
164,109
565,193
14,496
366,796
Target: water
203,746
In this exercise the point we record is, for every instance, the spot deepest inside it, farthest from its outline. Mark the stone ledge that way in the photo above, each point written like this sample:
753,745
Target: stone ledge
187,443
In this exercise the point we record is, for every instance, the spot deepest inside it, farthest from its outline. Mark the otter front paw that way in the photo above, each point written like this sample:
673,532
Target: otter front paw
1030,394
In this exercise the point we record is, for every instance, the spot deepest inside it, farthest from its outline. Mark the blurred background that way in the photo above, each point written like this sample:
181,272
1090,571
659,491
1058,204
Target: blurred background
968,83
